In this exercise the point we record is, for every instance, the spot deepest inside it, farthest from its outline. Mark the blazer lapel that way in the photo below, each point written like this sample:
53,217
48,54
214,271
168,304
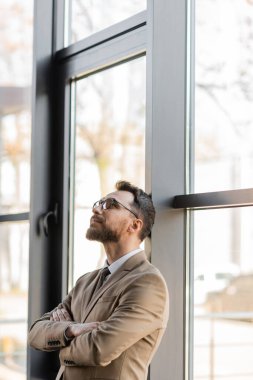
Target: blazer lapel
89,290
118,275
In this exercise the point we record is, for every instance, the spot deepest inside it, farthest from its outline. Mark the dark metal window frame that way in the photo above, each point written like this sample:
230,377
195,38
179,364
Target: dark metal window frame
108,34
54,71
23,216
214,200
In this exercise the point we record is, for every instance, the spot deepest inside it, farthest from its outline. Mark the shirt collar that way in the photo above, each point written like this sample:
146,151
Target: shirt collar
117,264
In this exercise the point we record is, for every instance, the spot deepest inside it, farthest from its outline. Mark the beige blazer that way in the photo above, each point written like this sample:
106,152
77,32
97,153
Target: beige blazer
132,306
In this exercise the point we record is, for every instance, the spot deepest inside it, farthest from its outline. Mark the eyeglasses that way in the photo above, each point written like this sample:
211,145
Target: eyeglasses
110,203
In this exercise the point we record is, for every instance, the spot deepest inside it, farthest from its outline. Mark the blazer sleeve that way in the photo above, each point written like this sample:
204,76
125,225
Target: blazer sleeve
46,335
143,309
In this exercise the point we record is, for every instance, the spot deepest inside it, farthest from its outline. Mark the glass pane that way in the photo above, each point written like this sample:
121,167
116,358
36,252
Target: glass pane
223,294
14,239
110,145
16,31
224,95
90,16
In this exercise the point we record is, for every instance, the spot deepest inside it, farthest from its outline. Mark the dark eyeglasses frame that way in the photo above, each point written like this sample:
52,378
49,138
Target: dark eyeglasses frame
102,202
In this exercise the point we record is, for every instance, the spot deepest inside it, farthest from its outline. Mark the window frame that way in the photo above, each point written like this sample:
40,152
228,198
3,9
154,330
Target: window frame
123,48
54,71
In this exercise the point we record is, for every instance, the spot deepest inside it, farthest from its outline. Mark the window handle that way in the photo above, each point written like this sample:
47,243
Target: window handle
52,215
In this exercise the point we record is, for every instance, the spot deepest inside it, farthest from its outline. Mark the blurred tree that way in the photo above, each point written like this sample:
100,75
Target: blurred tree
16,25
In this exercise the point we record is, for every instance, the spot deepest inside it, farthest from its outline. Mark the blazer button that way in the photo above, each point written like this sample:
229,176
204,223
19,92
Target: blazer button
69,362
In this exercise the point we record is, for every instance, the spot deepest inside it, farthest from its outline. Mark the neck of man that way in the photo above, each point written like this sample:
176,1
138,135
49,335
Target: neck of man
116,250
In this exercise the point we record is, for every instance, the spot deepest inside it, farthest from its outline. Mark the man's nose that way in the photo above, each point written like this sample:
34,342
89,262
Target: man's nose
97,210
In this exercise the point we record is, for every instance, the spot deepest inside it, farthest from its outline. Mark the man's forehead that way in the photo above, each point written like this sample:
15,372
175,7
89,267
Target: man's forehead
121,195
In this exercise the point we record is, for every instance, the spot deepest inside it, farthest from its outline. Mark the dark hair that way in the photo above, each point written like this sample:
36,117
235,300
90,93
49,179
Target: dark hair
142,204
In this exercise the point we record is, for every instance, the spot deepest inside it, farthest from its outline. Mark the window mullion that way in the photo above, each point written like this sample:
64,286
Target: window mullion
217,199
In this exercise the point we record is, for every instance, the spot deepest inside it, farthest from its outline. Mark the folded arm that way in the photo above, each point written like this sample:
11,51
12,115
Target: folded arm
141,311
50,332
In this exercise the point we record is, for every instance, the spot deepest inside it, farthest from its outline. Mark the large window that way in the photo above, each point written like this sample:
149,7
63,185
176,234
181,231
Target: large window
185,132
109,145
15,134
13,301
223,95
222,241
223,294
90,122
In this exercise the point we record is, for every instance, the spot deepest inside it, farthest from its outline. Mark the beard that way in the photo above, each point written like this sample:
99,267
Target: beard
106,235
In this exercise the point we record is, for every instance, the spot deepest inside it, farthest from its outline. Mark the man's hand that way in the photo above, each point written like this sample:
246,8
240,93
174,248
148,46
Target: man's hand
80,328
60,315
76,328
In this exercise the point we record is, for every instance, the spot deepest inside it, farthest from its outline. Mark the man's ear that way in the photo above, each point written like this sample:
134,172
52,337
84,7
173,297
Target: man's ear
135,226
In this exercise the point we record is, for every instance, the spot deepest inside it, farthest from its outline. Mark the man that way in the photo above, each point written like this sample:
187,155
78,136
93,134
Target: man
110,325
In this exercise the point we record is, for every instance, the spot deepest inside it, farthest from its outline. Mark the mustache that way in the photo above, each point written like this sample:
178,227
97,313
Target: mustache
96,218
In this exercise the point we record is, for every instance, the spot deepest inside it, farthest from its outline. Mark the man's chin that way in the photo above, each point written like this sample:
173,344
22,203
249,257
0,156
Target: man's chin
92,234
103,236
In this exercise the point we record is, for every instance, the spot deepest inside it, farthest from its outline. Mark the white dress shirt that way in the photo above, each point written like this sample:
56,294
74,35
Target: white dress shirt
117,264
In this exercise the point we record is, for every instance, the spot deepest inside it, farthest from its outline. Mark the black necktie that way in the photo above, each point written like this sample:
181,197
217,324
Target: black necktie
103,274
